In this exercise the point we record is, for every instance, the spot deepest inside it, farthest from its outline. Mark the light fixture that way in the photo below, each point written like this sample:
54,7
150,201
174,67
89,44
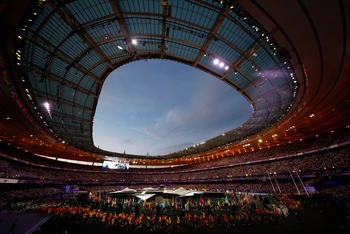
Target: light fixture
134,41
216,61
221,65
119,47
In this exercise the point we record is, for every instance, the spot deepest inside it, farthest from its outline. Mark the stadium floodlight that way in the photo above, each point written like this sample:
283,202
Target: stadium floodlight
47,107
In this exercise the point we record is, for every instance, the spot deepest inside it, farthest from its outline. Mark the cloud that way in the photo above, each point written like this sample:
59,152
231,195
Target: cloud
128,141
161,114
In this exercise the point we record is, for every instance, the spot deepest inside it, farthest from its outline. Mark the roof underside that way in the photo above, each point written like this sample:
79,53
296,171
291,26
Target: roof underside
69,48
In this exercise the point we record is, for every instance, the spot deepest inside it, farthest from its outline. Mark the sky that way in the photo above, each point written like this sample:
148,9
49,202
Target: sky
157,107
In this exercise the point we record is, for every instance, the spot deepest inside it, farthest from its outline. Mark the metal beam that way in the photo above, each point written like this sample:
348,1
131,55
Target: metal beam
219,19
65,59
72,117
164,28
122,24
74,24
267,107
69,18
59,125
52,77
148,52
64,101
187,23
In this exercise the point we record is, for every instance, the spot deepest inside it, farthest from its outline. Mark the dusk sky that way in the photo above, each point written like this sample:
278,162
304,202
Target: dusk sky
162,107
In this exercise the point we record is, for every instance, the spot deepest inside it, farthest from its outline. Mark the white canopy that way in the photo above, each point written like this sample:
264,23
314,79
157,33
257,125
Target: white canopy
180,191
126,190
144,196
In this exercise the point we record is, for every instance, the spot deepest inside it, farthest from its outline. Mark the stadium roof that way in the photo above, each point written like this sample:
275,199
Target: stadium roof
288,60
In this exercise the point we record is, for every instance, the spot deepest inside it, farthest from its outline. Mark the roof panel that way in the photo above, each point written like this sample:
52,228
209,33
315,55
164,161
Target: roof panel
39,56
74,75
53,86
249,70
238,79
55,30
98,70
40,86
144,25
68,93
264,59
41,18
102,31
90,59
182,50
58,67
80,98
111,48
253,92
224,50
73,46
90,101
235,35
86,82
85,11
186,33
188,11
141,6
68,109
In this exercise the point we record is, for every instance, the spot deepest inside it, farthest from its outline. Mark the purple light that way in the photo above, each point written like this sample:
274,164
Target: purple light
221,65
216,61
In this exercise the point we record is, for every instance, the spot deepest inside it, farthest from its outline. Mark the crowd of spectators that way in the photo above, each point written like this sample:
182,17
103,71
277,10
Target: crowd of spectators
25,195
287,149
237,173
325,163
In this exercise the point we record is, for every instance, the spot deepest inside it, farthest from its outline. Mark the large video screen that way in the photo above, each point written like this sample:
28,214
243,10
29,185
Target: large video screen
115,165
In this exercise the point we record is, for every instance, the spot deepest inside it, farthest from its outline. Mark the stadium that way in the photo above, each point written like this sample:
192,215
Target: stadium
285,168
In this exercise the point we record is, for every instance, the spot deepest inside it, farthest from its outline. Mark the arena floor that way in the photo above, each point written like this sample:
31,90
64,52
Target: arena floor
321,217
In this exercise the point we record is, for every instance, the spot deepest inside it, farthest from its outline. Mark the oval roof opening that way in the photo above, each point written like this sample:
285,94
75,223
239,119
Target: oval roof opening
158,107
